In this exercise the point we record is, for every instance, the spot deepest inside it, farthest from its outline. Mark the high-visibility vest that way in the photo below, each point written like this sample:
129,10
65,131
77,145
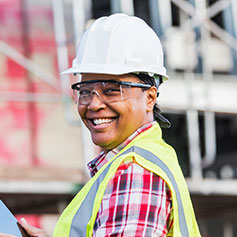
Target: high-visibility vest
151,152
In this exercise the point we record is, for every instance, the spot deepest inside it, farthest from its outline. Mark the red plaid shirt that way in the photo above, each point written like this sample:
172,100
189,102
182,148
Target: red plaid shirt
136,201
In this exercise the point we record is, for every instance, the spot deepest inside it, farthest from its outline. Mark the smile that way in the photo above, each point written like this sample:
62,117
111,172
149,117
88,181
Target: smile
101,121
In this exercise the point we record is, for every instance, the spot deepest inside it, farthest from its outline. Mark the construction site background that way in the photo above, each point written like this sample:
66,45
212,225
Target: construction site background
44,148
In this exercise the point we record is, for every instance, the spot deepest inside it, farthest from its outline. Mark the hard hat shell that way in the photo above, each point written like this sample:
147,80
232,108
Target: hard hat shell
119,44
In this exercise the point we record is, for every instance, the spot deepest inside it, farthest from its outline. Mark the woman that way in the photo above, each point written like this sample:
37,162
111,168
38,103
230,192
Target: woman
137,186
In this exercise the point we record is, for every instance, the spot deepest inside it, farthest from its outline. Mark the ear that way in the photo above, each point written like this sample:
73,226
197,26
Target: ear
151,98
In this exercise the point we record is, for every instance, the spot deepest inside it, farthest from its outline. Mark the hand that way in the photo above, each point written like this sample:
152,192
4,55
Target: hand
31,230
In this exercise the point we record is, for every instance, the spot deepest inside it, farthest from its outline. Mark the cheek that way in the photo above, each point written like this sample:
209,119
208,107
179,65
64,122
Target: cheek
81,110
125,110
139,105
133,113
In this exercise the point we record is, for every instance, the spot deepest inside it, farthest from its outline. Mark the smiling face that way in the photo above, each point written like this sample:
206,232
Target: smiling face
110,124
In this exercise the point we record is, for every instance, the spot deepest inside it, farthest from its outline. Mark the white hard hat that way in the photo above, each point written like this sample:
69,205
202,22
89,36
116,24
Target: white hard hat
119,44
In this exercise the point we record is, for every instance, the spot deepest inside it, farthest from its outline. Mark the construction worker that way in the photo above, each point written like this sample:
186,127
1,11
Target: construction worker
137,186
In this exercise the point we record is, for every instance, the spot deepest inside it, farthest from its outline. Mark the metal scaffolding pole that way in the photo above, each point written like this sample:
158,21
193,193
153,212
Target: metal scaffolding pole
160,12
62,57
79,19
228,228
155,16
127,7
115,6
31,107
209,117
193,131
207,23
217,7
29,65
79,25
29,97
230,24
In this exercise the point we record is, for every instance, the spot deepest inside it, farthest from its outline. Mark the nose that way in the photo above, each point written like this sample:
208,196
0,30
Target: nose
96,102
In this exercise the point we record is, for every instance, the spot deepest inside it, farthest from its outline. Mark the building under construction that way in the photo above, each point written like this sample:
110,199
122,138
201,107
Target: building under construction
44,148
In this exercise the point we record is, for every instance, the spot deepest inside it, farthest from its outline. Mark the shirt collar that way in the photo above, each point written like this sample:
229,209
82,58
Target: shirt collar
104,157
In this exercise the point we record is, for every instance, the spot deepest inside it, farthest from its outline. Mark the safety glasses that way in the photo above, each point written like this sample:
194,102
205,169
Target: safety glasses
108,91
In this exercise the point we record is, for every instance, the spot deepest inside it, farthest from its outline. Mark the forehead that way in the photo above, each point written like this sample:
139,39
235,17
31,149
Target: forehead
97,76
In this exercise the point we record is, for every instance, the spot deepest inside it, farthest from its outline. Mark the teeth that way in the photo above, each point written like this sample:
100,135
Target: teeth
102,121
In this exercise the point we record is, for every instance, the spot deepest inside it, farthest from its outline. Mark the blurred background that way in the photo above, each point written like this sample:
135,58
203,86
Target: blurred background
44,148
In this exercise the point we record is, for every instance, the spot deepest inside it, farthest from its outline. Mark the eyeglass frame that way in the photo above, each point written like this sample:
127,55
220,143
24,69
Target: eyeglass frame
126,83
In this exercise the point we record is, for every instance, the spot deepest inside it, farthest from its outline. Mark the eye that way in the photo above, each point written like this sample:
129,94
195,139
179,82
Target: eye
111,91
84,92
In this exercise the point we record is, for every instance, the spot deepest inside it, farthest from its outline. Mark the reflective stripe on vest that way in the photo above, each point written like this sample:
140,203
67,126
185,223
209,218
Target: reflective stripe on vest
83,214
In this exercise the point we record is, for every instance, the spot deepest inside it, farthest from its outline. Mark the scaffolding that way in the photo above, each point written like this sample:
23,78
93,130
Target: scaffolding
199,90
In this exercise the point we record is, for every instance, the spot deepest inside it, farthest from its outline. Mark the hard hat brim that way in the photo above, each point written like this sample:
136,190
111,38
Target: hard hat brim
112,70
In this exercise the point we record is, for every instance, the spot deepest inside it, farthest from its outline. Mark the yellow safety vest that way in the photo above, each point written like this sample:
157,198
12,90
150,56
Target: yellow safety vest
151,152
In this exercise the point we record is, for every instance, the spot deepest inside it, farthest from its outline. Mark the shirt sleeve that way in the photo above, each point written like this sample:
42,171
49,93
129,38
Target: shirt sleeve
136,202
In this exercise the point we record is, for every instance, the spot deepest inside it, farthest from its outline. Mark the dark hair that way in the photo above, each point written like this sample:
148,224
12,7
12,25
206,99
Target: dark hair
163,122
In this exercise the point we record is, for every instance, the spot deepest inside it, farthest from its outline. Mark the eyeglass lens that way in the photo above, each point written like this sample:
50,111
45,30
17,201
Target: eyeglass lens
108,92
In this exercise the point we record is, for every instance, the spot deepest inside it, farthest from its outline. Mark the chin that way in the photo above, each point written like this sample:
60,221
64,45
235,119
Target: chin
100,142
105,144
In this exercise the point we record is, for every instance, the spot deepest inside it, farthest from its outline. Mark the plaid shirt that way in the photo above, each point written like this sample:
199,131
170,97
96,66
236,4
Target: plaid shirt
136,201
